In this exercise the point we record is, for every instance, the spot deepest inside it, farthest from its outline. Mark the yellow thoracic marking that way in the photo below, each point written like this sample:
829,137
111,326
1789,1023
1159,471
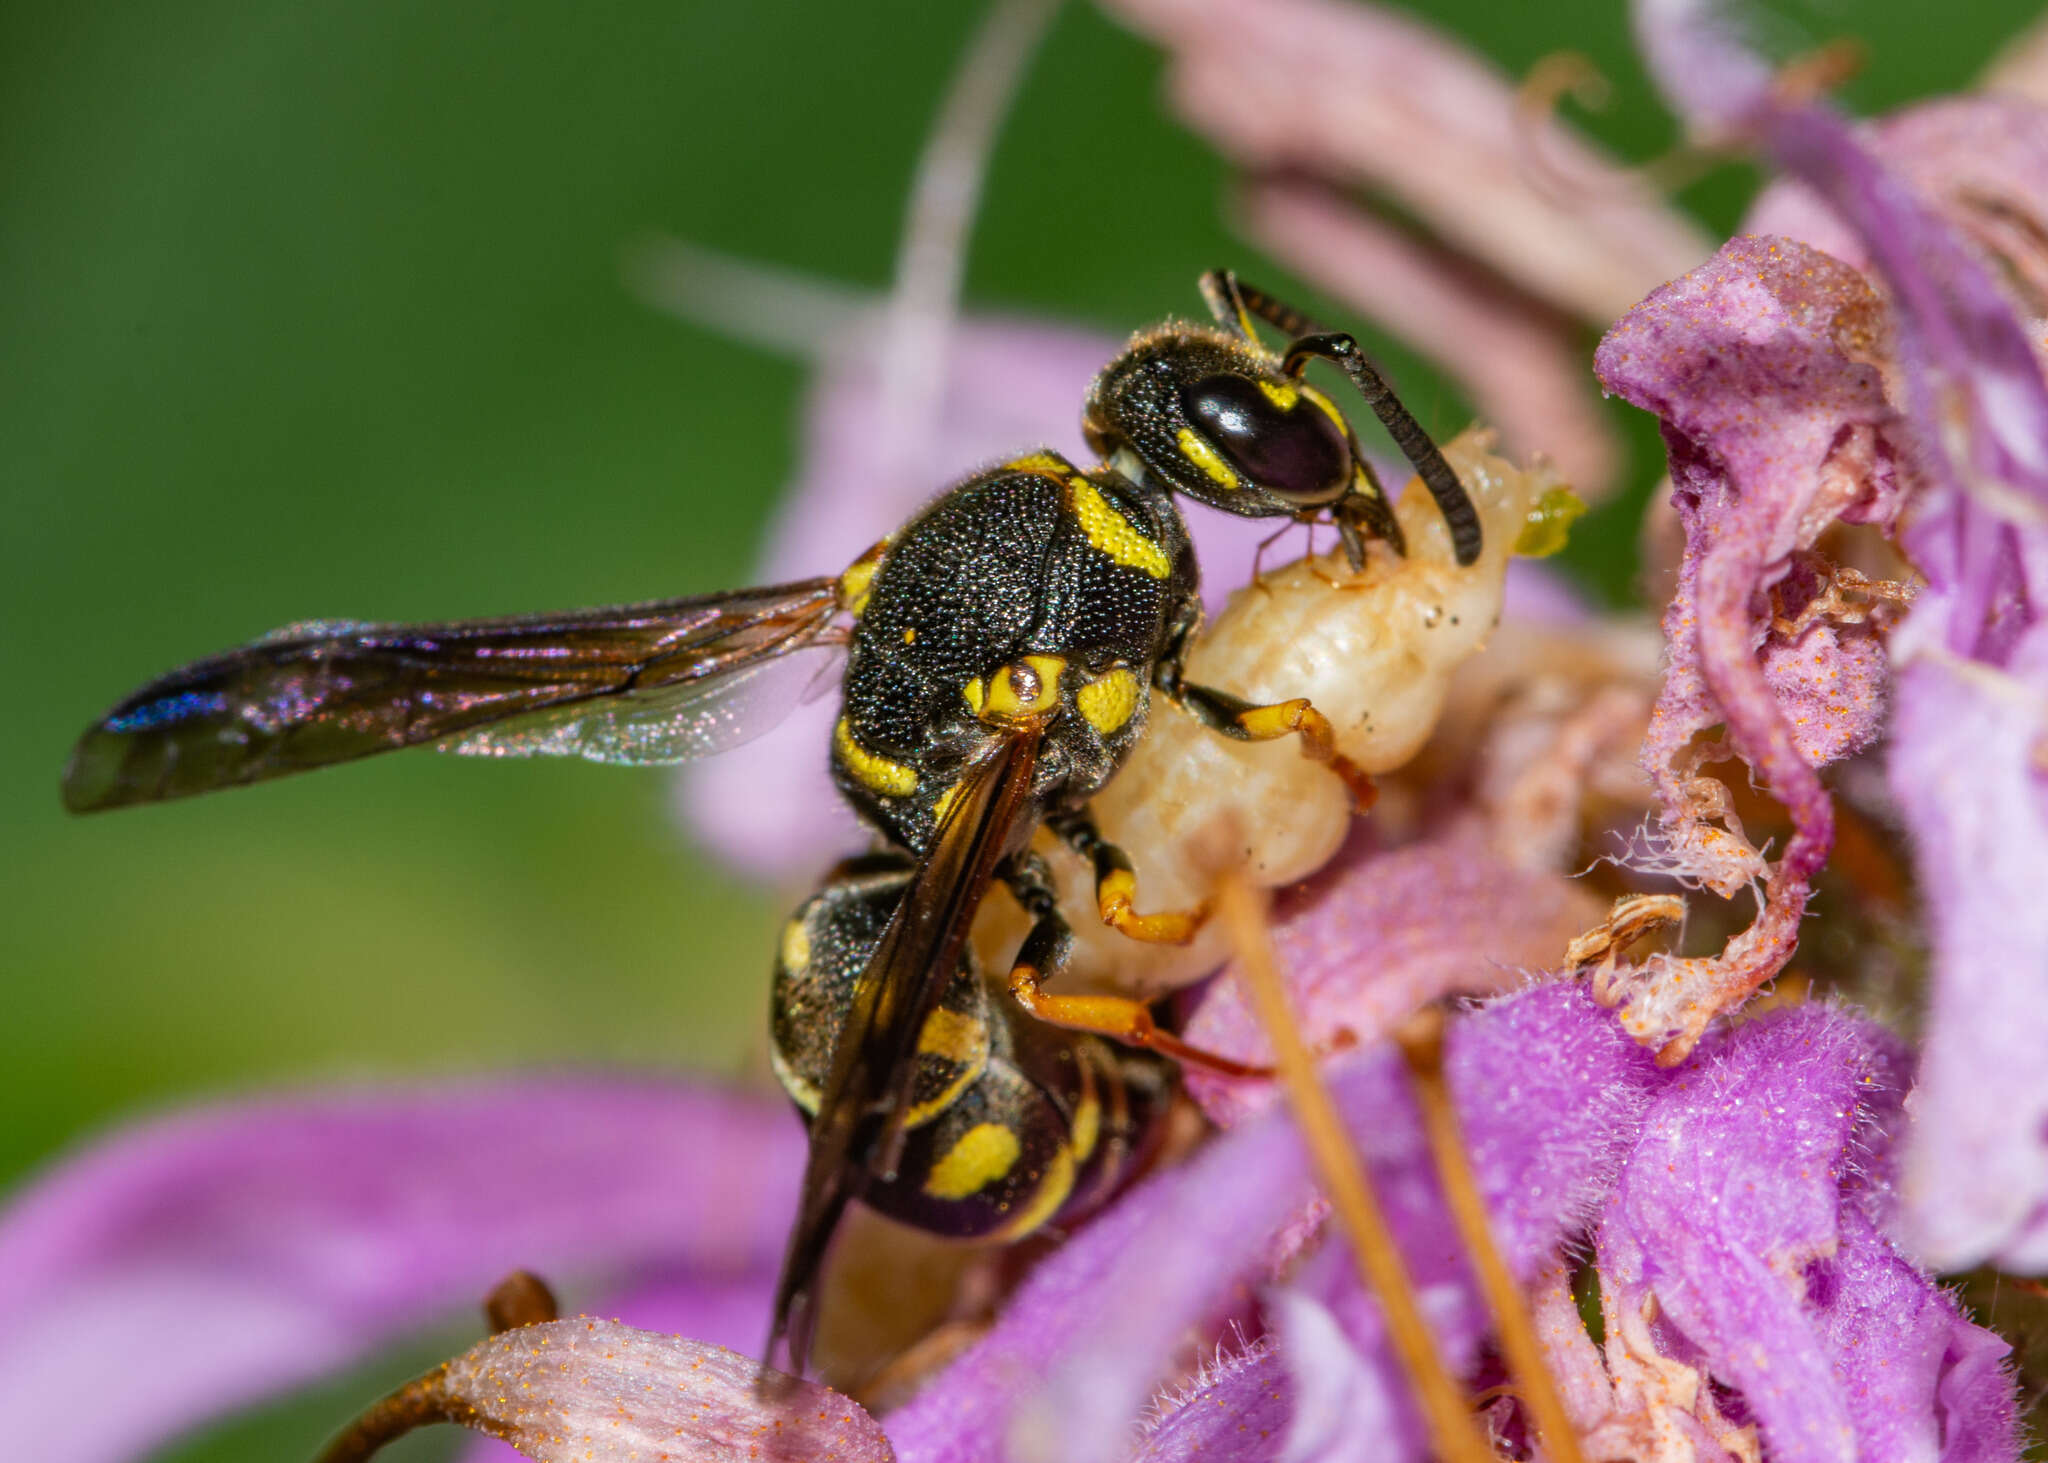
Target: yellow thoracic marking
1281,393
796,947
857,582
1329,408
910,635
801,1092
1112,533
1197,450
1040,462
945,803
984,1155
1053,1188
1109,703
1006,700
975,694
892,779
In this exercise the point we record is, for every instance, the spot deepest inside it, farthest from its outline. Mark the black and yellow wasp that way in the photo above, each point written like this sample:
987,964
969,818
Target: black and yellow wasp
1004,647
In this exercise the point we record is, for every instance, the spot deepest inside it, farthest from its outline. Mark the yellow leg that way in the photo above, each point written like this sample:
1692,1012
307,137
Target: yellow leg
1300,718
1113,895
1120,1019
1116,887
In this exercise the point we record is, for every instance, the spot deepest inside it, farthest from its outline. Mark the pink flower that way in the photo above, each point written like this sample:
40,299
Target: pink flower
1758,1199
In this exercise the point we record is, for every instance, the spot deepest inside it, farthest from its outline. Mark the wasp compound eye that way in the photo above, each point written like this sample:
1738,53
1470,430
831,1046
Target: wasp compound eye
1272,435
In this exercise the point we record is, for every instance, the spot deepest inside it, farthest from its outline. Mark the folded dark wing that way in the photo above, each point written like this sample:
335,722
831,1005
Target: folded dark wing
658,682
858,1127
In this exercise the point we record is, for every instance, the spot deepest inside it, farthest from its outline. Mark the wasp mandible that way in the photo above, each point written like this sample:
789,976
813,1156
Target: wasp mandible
1004,646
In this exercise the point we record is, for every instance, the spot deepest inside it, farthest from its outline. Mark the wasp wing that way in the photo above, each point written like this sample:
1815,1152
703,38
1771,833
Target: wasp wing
874,1060
657,682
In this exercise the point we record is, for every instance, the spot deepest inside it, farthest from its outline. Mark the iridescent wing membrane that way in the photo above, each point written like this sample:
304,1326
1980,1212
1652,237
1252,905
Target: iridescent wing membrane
658,682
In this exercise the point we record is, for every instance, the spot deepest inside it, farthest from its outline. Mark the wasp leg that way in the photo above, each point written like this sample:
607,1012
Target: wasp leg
1246,721
1116,886
1045,952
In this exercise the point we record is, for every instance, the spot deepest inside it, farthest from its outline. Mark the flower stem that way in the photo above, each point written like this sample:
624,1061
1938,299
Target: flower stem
1422,1045
1455,1437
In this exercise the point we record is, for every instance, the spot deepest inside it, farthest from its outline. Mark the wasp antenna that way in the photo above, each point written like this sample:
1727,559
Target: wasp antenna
1416,445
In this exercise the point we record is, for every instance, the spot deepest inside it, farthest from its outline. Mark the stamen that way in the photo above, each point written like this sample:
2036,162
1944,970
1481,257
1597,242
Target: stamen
1456,1439
520,1299
1422,1046
421,1401
1564,74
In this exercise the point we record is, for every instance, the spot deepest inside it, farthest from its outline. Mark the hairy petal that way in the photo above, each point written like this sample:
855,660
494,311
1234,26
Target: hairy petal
1920,1380
281,1240
1774,430
1377,934
1747,1211
1974,389
591,1391
1546,1086
1968,768
1980,162
1343,1391
1967,192
1238,1410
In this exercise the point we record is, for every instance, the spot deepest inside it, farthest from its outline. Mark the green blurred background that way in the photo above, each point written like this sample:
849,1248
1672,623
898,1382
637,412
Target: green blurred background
314,309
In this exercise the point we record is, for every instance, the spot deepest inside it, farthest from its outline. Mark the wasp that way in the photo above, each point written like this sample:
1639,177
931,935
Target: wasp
1003,649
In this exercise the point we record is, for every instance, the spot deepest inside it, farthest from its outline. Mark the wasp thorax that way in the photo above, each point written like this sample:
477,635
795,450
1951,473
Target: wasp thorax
1271,434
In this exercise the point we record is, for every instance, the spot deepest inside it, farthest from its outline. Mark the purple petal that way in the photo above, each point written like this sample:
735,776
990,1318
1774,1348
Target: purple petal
1980,409
1731,1211
1547,1087
1343,1392
1238,1410
1967,354
282,1240
1981,162
1522,363
1919,1380
591,1391
720,1310
1966,768
1774,432
1360,94
1376,935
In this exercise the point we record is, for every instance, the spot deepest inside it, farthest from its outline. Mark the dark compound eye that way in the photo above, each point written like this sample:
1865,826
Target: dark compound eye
1280,441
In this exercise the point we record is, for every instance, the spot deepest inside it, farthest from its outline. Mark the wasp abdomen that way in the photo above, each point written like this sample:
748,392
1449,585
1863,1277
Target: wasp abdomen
1014,1124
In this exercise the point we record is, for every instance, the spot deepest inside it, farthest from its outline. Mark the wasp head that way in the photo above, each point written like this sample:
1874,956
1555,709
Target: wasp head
1218,420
